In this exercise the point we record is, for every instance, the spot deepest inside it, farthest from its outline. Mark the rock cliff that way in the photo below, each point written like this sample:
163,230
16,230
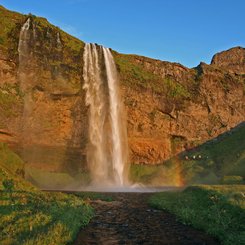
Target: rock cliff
232,60
169,107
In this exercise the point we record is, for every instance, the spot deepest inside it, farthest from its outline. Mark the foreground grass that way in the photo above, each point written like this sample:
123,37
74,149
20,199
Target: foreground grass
41,218
30,216
218,210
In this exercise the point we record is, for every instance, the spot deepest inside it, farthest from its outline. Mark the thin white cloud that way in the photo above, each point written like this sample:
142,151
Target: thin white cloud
71,30
67,28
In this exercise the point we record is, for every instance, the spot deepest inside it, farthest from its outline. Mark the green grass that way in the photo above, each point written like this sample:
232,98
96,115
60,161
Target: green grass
145,174
224,156
30,216
135,75
218,210
40,217
176,90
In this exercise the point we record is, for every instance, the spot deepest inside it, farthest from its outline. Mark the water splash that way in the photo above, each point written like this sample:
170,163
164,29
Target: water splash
107,148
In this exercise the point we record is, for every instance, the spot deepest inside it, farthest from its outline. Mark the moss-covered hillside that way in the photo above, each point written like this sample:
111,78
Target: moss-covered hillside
218,161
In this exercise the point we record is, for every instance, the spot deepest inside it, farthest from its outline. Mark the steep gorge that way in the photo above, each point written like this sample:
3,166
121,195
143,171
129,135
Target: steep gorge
169,107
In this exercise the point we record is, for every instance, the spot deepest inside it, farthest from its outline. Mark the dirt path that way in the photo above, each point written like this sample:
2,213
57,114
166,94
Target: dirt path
129,220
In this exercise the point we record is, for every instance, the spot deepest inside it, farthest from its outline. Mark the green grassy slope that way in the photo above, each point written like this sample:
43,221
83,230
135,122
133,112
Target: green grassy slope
218,210
134,75
30,216
217,161
11,22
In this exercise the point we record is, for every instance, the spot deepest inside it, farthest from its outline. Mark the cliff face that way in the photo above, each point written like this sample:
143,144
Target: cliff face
232,60
169,107
41,97
172,108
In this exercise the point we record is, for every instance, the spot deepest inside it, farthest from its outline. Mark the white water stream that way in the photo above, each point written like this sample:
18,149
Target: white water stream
107,148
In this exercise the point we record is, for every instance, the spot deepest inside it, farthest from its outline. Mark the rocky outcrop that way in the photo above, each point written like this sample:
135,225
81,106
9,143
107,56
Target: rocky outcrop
169,107
232,60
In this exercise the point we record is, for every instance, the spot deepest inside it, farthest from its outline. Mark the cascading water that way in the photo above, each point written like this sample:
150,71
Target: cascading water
23,47
25,76
107,148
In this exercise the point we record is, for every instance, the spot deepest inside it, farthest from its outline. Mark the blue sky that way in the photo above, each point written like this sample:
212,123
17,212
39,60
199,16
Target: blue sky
184,31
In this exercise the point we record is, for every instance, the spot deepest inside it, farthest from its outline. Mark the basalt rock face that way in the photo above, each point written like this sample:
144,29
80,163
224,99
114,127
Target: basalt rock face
169,107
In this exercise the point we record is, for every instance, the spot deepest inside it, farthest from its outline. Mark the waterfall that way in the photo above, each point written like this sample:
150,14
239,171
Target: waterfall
23,46
25,77
107,147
